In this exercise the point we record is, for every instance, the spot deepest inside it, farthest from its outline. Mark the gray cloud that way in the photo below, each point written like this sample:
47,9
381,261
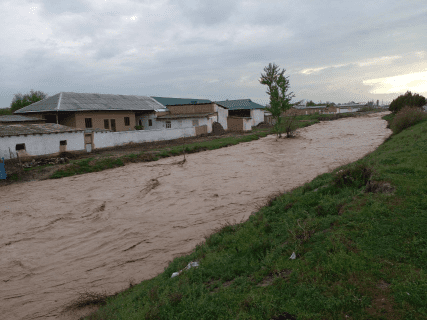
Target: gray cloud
197,49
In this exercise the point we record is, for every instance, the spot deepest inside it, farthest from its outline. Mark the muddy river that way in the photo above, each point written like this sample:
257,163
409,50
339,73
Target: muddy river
98,231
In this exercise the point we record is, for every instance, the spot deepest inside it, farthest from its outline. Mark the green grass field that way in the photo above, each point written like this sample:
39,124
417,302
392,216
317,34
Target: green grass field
361,251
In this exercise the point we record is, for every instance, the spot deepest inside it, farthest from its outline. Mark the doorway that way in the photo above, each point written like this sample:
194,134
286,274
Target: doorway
113,125
88,142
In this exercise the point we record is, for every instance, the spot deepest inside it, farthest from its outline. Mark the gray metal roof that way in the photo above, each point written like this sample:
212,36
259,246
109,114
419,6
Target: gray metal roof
71,101
239,104
15,118
29,129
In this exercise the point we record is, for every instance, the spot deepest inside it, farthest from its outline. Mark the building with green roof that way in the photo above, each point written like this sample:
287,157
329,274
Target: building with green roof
244,108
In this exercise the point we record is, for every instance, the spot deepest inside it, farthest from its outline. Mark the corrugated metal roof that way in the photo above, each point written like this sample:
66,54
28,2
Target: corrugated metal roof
71,101
21,129
239,104
180,116
16,117
179,101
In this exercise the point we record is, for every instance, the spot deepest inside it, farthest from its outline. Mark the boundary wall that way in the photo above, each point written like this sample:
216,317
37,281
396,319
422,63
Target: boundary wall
112,139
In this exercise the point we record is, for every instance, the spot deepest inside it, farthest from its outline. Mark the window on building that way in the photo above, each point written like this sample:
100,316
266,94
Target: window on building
88,122
195,122
127,121
20,146
140,122
168,124
150,122
63,142
106,124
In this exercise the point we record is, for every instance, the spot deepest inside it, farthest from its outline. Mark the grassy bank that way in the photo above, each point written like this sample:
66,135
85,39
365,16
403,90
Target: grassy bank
358,233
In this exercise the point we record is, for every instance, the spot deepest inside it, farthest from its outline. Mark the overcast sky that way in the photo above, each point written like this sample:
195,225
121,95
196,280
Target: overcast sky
337,51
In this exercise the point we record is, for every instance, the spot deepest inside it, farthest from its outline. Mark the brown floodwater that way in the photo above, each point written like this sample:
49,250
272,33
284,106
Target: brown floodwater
98,231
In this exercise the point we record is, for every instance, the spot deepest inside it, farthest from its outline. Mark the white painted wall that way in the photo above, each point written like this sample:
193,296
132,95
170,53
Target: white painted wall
257,116
111,139
222,116
41,144
247,124
180,123
342,110
156,124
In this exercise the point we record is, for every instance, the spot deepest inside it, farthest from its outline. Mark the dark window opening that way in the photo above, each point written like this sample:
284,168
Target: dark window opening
168,124
50,118
127,121
20,146
240,113
106,124
63,142
88,122
150,122
140,122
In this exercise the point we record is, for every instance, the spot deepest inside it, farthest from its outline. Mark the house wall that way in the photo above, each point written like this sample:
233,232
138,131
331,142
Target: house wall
342,110
235,124
69,121
184,123
192,108
269,119
98,119
239,124
331,109
247,124
111,139
222,116
257,116
41,144
201,130
296,111
156,125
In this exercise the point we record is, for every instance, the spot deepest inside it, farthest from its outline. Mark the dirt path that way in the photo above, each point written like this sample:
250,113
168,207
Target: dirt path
99,230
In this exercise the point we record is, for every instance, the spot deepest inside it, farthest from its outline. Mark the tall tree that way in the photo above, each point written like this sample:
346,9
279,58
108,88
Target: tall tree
20,101
278,86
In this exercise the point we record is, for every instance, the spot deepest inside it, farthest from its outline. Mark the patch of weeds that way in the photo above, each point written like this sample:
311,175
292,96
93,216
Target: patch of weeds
303,231
88,298
163,154
175,298
406,118
354,175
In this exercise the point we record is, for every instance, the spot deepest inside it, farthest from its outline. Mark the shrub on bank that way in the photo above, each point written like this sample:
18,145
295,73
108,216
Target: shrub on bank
406,118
